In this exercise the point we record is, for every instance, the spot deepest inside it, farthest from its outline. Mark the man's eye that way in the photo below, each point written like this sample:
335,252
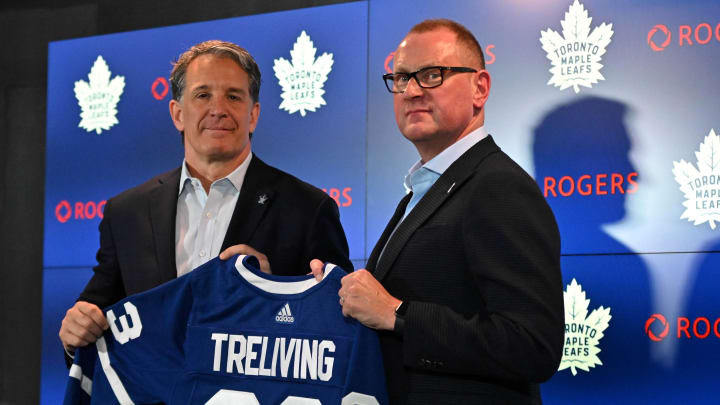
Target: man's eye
431,75
402,78
202,95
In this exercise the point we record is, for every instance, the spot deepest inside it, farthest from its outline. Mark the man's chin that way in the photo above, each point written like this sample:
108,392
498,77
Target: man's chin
222,155
417,134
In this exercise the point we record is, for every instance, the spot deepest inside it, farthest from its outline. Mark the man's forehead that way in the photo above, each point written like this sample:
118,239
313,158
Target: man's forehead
202,63
232,87
212,70
418,50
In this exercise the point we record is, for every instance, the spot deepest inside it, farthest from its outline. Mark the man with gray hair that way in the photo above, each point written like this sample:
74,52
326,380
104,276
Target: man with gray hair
223,198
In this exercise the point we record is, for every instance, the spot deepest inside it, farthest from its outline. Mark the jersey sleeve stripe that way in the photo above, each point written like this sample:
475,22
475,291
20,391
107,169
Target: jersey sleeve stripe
112,377
85,381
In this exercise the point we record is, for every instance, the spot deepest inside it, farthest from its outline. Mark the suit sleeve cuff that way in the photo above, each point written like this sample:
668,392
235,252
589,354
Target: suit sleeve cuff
400,311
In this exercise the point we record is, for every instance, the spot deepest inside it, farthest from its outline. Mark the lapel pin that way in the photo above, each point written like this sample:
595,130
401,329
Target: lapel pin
262,199
450,189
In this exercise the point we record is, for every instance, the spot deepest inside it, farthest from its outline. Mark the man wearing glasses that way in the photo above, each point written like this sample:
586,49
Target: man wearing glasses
464,283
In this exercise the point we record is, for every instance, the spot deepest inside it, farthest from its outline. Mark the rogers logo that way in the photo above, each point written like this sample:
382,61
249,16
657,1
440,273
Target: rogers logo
663,322
702,34
388,60
82,210
159,88
342,198
699,328
599,184
487,51
668,37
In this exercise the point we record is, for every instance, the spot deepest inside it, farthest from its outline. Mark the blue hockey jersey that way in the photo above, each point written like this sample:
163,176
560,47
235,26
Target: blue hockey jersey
226,333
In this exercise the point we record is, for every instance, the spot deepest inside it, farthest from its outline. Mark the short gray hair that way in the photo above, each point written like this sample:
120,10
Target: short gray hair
221,49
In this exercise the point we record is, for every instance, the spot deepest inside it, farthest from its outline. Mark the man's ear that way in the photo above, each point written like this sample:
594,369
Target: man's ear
176,111
481,83
254,116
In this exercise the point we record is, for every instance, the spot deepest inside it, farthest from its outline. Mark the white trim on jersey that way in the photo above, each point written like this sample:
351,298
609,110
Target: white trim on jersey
112,377
278,287
85,381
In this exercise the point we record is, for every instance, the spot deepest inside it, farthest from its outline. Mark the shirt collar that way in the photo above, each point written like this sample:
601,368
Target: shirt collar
444,159
235,178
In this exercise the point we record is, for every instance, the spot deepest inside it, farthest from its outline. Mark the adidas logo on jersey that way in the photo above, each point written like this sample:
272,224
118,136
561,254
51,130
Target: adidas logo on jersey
284,315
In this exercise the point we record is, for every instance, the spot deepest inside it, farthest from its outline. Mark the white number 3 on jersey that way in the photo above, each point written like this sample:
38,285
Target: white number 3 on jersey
127,332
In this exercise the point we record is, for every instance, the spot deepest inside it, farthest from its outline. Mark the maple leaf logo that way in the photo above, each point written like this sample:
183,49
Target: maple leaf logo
302,81
98,99
701,185
582,332
576,55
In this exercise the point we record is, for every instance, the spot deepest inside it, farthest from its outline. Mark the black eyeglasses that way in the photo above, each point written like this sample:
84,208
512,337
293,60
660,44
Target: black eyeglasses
427,78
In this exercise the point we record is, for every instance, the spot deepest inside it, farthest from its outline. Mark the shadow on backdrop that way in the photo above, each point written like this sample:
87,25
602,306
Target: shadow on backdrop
581,155
698,354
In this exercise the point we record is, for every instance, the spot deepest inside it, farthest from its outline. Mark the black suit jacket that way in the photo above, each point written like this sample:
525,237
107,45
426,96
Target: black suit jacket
478,260
282,217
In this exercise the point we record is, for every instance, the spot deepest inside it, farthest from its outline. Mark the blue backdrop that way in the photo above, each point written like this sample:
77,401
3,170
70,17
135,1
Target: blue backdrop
627,162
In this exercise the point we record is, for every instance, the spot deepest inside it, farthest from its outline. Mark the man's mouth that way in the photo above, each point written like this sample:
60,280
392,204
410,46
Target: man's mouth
417,111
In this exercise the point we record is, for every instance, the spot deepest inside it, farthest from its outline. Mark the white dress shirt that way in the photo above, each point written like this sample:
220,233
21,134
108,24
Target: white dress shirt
203,218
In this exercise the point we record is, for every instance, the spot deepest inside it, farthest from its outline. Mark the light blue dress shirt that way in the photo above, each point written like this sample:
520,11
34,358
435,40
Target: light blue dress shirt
421,176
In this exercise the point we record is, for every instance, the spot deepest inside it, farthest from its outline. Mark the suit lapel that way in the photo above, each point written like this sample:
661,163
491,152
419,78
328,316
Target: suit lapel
399,211
445,186
254,199
163,209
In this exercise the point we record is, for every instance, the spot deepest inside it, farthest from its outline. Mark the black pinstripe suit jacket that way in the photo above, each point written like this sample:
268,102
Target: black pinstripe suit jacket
478,258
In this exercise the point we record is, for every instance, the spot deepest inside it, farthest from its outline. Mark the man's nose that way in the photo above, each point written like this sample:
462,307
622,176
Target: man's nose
218,106
413,89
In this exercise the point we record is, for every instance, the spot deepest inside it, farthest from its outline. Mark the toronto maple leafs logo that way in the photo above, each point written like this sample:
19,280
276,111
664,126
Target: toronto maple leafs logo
98,98
701,185
576,55
582,332
302,81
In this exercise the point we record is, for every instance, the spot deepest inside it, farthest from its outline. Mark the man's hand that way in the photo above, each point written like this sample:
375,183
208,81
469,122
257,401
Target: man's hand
247,250
317,268
83,324
365,299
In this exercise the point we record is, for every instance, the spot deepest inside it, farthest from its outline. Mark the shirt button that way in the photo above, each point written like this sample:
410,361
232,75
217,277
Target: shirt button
202,253
208,215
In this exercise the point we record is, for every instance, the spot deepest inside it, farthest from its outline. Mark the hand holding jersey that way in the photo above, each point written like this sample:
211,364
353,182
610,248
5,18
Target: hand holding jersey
365,299
83,324
243,249
362,297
